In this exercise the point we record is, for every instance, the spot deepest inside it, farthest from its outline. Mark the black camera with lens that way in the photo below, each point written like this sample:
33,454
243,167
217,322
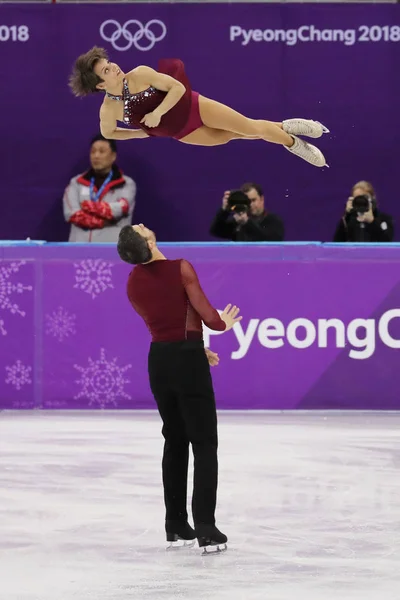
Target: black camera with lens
238,202
360,204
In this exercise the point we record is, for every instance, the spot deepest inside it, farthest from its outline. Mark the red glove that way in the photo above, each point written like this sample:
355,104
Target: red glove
99,209
84,219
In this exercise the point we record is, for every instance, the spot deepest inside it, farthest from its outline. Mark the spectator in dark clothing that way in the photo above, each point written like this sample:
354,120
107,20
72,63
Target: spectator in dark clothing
362,221
254,225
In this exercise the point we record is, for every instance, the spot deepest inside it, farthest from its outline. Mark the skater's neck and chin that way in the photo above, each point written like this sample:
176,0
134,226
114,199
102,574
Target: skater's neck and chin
115,89
151,241
155,255
155,252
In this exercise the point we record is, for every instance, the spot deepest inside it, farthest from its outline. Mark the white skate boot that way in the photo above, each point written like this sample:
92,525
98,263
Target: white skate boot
313,129
307,152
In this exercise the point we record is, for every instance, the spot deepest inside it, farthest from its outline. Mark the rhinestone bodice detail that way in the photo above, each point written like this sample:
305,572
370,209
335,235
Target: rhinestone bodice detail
141,102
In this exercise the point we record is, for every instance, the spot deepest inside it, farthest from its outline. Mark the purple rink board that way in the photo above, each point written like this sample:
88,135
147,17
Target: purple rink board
336,63
70,339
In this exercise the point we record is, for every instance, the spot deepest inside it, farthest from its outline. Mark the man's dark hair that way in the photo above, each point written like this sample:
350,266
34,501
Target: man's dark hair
132,247
251,185
83,80
101,138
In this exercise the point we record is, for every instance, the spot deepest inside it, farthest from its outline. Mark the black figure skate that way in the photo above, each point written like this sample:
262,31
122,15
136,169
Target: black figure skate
210,539
179,534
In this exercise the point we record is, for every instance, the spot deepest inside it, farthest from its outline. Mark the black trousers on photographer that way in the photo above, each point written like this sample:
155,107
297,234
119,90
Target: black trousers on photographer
181,383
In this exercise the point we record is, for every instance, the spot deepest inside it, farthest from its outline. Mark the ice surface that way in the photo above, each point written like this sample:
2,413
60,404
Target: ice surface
310,503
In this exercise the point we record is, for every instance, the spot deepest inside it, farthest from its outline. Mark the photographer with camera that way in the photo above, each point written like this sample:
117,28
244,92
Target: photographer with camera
362,221
243,217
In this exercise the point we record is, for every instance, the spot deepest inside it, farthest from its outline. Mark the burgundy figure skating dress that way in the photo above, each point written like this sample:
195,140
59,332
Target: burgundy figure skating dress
182,119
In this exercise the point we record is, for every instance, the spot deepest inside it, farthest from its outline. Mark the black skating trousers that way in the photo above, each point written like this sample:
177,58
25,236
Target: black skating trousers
181,383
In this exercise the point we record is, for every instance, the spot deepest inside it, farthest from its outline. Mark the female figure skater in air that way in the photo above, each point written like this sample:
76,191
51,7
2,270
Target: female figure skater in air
161,103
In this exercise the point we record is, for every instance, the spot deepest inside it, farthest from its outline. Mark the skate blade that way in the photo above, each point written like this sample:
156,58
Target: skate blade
206,550
324,129
181,544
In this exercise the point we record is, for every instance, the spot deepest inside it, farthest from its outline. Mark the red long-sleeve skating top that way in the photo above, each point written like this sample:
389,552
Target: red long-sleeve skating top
168,296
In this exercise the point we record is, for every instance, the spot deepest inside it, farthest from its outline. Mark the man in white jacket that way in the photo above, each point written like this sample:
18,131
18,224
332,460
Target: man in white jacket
99,202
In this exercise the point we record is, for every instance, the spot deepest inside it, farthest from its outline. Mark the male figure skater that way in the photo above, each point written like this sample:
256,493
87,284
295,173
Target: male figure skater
168,296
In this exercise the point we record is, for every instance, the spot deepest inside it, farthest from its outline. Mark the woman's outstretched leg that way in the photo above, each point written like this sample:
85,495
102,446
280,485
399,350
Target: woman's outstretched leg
218,116
206,136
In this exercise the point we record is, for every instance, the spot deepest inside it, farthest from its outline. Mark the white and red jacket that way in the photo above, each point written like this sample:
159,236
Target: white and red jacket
102,220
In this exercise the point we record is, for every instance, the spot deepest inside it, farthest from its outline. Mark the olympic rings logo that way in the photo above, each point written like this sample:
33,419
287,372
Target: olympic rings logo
153,31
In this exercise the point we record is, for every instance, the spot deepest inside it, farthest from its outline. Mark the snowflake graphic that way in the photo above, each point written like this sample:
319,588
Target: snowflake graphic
55,404
18,375
93,276
60,324
7,288
102,381
23,404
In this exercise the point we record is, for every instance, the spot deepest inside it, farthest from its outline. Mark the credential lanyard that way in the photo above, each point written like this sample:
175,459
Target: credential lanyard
95,196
